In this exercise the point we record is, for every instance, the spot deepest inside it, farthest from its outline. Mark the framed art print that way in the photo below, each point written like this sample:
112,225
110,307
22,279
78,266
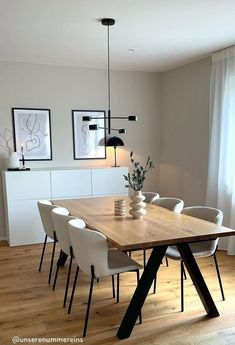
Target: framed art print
32,133
88,144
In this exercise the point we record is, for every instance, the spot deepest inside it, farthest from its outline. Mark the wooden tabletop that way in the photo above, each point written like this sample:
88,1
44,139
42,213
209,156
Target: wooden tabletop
158,227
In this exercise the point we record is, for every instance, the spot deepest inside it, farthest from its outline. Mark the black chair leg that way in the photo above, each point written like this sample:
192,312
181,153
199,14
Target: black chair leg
144,254
219,278
118,288
89,302
67,282
56,273
184,273
52,261
167,263
138,279
182,284
113,286
43,250
73,290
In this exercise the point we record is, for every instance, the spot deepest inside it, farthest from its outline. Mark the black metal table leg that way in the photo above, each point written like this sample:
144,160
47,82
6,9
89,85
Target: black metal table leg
197,279
141,292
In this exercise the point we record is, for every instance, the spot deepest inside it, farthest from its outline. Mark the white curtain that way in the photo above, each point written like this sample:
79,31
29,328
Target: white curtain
221,170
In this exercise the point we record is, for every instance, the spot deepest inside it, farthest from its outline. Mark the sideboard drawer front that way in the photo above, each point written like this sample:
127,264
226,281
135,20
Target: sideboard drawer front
27,185
25,223
109,181
70,183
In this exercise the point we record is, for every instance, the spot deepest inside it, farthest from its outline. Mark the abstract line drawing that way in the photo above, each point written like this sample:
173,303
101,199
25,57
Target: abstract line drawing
88,144
32,127
32,131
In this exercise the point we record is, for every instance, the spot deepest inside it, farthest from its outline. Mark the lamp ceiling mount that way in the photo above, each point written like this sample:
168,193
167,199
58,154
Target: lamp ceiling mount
108,21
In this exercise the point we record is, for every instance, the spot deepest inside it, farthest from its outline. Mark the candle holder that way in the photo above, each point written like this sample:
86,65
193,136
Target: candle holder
119,207
23,167
23,161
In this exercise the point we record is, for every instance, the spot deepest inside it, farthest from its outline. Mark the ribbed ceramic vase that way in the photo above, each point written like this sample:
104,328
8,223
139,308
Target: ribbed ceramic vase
137,205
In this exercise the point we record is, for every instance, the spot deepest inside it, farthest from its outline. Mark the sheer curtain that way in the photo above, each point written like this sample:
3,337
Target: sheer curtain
221,170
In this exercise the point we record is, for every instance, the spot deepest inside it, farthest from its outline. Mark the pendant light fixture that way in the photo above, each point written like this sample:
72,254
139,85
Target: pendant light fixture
109,22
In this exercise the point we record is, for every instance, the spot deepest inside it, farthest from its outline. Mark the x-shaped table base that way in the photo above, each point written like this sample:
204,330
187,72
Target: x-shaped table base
146,281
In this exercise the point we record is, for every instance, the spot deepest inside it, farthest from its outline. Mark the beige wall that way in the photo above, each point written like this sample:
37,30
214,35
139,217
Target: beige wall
185,132
64,88
173,110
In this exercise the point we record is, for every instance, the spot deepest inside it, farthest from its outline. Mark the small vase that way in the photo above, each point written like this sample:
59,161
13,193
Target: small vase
137,205
13,161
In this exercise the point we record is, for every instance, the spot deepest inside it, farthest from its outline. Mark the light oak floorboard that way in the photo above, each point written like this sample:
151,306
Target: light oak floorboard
29,308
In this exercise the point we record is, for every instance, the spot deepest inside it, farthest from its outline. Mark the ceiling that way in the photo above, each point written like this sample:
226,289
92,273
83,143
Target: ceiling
163,33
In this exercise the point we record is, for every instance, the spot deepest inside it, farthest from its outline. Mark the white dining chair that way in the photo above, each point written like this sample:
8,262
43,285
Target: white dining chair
94,258
45,207
150,197
172,204
200,249
60,217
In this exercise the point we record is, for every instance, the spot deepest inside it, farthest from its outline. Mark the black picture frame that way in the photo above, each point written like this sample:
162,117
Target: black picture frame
32,133
88,144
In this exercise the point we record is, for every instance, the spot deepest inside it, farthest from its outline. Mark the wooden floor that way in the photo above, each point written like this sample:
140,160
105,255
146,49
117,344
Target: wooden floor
28,307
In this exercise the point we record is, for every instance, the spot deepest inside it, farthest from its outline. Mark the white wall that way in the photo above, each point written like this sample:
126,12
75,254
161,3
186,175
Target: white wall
185,132
64,88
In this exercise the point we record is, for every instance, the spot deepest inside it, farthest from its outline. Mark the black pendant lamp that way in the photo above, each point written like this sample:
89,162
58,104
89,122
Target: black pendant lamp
114,142
109,22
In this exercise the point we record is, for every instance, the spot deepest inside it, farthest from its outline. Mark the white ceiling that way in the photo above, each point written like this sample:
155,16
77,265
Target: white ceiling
164,33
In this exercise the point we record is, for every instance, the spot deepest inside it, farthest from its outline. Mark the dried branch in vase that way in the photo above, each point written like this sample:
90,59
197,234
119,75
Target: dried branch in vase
136,179
6,141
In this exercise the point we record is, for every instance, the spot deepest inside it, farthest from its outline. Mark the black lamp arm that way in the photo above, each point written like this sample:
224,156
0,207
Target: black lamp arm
129,118
97,127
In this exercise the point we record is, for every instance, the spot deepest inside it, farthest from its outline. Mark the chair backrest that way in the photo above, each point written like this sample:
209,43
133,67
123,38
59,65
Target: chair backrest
45,207
172,204
60,217
210,214
90,248
150,197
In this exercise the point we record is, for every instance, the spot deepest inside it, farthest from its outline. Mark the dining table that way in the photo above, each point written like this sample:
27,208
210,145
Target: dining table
158,229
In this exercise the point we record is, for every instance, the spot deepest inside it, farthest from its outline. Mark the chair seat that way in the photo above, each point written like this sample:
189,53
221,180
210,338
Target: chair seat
119,262
198,250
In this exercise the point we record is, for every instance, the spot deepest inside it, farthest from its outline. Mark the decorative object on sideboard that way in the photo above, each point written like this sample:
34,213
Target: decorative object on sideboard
109,22
13,161
114,142
23,167
119,207
88,144
32,128
7,144
135,181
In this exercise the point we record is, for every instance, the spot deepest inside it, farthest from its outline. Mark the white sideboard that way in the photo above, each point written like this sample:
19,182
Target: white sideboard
22,190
